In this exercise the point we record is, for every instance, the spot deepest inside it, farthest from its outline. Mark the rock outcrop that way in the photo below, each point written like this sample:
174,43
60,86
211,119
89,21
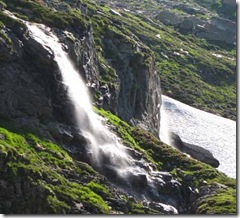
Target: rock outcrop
169,18
46,165
217,29
136,94
136,99
194,151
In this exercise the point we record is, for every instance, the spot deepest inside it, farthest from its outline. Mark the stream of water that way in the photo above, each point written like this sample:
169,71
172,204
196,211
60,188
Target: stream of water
192,126
102,141
215,133
106,149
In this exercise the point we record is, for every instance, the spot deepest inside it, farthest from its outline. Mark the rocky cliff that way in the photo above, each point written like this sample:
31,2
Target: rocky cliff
188,37
45,163
135,97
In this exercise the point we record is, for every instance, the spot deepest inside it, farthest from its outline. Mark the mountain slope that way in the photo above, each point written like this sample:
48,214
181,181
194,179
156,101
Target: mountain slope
45,163
196,71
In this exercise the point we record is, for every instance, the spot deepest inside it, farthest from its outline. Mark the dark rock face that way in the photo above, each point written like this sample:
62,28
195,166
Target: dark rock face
31,85
82,53
137,97
218,29
229,3
22,95
194,151
162,208
16,198
214,29
137,100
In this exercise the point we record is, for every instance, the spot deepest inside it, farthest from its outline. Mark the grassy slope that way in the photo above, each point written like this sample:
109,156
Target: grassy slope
32,159
58,178
165,158
45,166
198,78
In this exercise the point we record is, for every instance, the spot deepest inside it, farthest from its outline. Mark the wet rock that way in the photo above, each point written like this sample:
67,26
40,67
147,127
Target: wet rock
133,153
60,132
166,190
81,51
194,194
79,139
163,208
138,181
45,55
78,208
165,176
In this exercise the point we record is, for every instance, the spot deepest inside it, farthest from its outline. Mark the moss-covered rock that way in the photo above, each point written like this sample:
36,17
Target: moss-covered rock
48,174
191,173
40,177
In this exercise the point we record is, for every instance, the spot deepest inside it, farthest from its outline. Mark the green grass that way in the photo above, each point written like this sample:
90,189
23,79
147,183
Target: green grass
198,78
47,167
44,164
99,189
42,14
223,202
165,156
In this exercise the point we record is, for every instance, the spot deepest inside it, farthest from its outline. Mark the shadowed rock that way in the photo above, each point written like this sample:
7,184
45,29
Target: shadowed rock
194,151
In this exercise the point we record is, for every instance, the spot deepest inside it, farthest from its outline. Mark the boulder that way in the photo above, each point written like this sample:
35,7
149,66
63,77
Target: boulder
160,207
138,181
169,18
194,151
186,25
217,29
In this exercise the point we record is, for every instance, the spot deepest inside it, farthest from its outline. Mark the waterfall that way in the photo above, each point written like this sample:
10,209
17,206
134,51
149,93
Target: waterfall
136,176
105,146
102,140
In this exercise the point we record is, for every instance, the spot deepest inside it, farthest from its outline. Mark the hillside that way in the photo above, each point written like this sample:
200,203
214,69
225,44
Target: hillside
127,61
195,67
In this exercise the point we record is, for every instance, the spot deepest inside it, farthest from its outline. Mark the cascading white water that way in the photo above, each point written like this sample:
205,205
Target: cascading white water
214,133
101,139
